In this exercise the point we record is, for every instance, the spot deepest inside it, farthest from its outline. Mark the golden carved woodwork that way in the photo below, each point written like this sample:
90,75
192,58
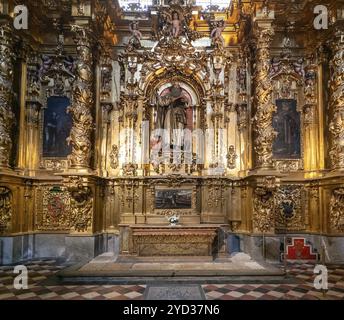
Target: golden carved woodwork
337,210
6,93
288,210
264,131
5,209
114,88
114,157
263,210
81,205
52,208
231,157
82,103
336,125
173,241
310,93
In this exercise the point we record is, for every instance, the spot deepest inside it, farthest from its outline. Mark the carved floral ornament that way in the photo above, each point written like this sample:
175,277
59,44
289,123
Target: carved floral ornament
81,205
337,210
263,210
288,213
53,208
5,209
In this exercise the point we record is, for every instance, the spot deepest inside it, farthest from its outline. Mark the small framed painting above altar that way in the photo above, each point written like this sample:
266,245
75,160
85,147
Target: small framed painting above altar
166,201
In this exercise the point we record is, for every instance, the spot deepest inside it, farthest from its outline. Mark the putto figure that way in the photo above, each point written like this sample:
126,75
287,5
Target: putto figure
136,35
216,34
176,25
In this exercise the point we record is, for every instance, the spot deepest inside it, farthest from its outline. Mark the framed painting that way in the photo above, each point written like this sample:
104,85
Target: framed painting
286,122
173,199
56,128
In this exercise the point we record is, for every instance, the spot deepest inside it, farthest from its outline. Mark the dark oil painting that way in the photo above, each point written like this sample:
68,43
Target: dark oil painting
57,126
173,199
286,122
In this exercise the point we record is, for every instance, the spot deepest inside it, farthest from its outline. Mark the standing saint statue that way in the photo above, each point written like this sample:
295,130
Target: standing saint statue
171,114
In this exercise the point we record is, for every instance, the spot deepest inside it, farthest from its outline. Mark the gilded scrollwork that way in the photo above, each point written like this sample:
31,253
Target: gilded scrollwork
288,209
287,165
263,210
53,209
309,108
81,205
337,210
7,117
106,80
215,190
55,164
231,157
5,209
130,169
114,157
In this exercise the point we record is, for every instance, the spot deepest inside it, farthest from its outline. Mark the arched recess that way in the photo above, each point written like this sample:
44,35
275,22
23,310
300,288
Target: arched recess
288,86
158,83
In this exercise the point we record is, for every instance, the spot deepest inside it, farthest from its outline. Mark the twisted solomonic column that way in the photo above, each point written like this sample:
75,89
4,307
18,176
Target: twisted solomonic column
82,101
264,132
6,94
337,103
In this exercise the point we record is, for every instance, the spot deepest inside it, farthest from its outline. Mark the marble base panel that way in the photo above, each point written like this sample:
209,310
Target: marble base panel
14,249
332,248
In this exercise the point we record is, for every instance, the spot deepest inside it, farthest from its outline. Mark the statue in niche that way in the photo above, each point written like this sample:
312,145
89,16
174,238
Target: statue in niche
136,35
171,113
216,34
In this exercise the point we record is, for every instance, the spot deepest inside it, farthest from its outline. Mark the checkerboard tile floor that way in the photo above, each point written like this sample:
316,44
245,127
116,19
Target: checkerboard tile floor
301,291
40,270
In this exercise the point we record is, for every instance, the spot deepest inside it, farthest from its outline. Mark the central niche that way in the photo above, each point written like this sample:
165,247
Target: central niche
174,120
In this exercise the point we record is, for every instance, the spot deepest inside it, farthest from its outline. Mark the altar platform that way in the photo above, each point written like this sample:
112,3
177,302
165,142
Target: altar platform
109,268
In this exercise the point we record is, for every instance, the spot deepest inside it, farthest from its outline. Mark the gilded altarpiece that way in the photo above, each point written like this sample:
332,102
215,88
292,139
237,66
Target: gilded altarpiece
123,80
